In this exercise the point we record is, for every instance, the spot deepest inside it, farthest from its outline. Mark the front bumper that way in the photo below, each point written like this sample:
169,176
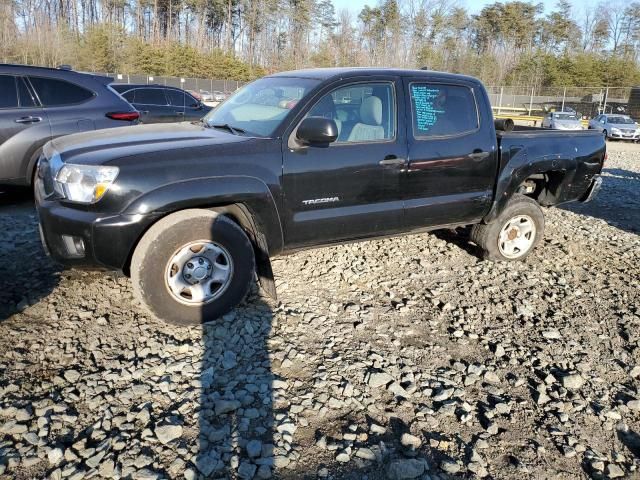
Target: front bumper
593,189
84,239
625,136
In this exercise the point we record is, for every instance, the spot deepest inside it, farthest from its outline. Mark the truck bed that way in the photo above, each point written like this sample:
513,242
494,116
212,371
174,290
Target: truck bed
567,160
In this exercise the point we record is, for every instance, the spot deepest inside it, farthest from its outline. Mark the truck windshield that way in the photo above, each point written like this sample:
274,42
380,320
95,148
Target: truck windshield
258,108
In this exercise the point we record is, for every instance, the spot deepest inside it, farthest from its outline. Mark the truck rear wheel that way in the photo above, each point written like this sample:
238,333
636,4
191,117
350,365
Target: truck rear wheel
192,267
514,233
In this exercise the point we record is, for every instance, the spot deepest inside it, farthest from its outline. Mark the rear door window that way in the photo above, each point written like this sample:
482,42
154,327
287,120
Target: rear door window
130,96
55,92
150,96
8,92
442,110
24,94
180,99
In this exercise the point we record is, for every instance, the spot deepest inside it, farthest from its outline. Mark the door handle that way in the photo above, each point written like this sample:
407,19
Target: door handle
144,112
392,161
28,119
179,113
478,155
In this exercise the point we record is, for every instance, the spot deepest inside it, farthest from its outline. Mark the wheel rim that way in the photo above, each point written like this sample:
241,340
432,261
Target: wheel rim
199,272
517,236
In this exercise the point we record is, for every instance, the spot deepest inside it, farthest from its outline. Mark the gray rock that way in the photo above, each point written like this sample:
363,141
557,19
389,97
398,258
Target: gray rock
491,377
365,454
247,470
254,448
379,379
442,395
405,469
552,334
22,415
145,474
408,440
264,472
573,381
226,406
168,433
72,376
449,466
31,438
377,429
343,457
229,360
107,469
614,471
634,405
55,456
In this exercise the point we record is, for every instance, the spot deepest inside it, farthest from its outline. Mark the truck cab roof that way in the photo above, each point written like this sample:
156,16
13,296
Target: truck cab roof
346,72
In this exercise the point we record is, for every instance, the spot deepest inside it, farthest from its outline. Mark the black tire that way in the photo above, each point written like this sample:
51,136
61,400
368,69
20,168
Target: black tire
487,236
157,248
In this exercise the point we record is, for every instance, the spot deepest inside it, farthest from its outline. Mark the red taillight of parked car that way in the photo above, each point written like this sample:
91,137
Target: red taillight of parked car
126,116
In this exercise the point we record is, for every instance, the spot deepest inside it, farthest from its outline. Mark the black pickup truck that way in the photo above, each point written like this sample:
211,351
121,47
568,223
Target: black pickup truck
191,211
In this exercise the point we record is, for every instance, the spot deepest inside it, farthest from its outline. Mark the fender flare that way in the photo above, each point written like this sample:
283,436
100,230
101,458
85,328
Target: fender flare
520,167
248,200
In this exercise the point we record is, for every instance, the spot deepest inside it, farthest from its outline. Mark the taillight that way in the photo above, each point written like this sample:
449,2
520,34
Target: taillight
126,116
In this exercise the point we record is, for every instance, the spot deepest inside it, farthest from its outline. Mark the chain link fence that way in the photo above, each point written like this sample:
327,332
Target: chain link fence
505,100
587,101
186,83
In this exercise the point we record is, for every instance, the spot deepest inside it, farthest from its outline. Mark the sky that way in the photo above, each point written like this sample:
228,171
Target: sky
473,6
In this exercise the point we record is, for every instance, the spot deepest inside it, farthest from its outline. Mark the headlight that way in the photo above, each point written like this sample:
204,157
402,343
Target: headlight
85,183
615,130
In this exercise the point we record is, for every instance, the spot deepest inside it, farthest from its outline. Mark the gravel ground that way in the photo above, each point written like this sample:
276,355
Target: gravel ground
399,358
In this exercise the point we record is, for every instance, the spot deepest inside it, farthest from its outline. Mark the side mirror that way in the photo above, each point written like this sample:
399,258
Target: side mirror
318,131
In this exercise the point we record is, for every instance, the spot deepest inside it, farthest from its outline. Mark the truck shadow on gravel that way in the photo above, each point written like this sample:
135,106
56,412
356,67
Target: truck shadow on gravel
237,435
617,203
27,275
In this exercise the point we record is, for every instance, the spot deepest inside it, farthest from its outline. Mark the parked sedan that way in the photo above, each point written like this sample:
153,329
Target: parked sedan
162,104
206,96
616,126
219,96
562,121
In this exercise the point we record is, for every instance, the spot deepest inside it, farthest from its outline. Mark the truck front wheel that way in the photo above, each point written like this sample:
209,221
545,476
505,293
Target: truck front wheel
514,233
192,267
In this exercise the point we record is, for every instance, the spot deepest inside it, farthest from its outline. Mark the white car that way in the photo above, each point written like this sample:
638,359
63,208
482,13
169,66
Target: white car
562,121
616,126
206,96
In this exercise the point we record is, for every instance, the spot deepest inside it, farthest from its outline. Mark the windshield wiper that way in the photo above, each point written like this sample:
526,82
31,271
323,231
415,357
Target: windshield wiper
226,126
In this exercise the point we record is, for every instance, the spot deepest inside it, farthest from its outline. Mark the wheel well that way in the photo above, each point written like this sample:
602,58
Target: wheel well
241,215
233,211
543,187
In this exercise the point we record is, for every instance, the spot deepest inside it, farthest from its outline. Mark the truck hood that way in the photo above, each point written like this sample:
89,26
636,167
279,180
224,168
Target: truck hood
101,146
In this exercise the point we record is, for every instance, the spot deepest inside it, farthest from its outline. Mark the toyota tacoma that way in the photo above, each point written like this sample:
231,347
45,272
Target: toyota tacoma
193,211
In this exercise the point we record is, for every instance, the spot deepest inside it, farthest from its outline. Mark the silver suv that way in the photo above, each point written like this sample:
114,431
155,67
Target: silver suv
38,104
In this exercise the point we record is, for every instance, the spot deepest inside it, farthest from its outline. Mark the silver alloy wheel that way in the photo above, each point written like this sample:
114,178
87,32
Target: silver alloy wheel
199,272
517,236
